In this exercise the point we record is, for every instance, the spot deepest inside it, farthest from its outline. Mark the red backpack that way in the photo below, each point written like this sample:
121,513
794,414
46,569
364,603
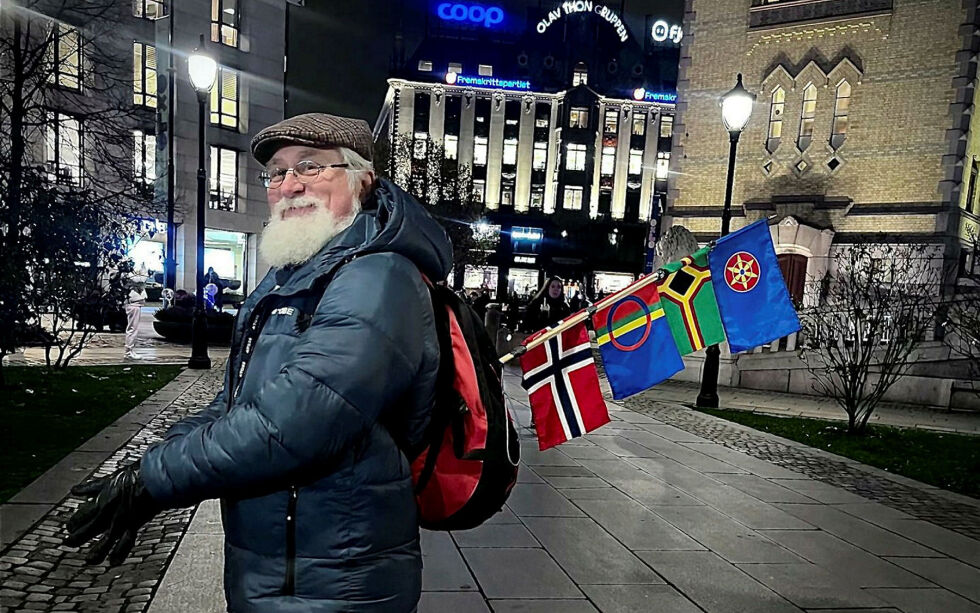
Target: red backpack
467,465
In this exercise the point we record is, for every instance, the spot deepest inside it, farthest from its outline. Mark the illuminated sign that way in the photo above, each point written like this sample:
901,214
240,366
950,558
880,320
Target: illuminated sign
525,259
453,78
526,234
641,94
663,31
487,16
584,6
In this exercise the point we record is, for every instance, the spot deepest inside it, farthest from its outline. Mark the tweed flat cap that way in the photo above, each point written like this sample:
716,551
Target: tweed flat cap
315,130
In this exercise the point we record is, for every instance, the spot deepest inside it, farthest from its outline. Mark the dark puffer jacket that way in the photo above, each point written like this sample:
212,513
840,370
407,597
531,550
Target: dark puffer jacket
317,500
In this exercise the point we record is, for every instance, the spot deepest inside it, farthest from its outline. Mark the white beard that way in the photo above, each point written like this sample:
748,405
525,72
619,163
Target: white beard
295,240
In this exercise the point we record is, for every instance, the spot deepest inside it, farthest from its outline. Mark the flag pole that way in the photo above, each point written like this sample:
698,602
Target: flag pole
654,277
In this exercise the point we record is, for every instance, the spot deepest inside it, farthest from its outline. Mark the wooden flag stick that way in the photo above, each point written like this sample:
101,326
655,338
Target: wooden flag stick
654,277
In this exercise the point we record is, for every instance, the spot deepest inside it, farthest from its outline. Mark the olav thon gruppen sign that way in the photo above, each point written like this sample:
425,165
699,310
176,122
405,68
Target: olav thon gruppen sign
584,6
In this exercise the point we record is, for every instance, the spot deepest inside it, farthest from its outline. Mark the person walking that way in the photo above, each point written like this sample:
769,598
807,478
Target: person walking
549,306
134,283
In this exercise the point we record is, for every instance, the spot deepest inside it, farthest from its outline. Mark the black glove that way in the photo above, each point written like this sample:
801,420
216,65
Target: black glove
118,505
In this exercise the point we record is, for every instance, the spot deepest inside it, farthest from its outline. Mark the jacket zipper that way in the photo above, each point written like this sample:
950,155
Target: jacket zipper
290,588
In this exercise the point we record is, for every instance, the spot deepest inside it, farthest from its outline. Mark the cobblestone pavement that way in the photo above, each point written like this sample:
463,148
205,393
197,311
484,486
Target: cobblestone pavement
39,573
939,508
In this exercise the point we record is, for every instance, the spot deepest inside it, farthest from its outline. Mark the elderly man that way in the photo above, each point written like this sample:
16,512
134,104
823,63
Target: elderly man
332,371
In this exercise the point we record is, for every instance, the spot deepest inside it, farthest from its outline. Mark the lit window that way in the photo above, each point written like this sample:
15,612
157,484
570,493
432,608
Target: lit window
608,162
224,179
224,99
666,126
575,159
425,66
639,124
578,117
455,67
63,148
480,151
66,55
809,112
485,70
580,76
663,163
573,197
636,162
510,151
841,108
420,145
507,194
612,121
144,157
541,122
537,196
776,106
540,159
148,9
479,189
144,75
451,144
224,22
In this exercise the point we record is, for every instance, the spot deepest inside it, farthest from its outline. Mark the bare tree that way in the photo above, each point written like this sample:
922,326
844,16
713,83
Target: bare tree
878,304
68,180
963,315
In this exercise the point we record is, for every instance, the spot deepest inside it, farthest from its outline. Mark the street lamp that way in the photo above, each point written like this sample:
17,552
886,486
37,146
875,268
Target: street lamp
202,70
736,108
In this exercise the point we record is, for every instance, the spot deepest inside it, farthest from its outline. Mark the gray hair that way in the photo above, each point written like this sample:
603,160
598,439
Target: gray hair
356,164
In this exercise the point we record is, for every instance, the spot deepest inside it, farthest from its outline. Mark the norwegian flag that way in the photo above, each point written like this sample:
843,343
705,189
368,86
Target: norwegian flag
561,380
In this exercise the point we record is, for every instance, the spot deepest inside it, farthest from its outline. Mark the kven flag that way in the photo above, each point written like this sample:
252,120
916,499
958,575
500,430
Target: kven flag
752,297
689,302
634,339
563,386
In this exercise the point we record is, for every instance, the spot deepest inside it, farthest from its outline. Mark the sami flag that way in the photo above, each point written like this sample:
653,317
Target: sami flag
752,297
635,342
688,299
563,386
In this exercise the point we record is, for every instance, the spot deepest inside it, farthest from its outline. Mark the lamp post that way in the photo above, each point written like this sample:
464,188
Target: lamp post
736,108
202,69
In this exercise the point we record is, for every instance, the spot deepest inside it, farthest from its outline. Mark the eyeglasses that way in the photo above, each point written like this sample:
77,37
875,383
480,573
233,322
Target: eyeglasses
306,172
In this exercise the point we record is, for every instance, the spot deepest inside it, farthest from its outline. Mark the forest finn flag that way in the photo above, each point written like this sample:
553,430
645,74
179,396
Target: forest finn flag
689,303
637,348
752,297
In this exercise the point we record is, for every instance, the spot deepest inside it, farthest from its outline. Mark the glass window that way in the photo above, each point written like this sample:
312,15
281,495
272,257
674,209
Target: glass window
455,67
608,162
224,99
776,107
540,159
479,189
537,196
573,197
450,143
636,162
663,164
66,55
666,126
144,75
485,70
580,76
148,9
420,145
144,156
575,159
425,66
639,124
578,117
507,194
841,107
480,151
611,124
541,122
224,179
809,112
510,151
63,148
225,20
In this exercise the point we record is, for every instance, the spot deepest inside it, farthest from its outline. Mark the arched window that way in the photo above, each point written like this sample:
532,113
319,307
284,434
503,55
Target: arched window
839,130
807,116
776,119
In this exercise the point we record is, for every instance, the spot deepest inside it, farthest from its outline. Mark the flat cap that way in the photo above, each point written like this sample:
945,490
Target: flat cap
315,130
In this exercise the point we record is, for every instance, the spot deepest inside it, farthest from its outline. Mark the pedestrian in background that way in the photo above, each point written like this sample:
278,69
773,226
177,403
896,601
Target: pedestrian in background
134,282
549,306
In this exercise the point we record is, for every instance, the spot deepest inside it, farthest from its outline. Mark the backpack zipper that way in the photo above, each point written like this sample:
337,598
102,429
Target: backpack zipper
290,587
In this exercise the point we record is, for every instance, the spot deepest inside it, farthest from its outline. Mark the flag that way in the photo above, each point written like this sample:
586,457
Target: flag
689,302
563,386
752,297
635,342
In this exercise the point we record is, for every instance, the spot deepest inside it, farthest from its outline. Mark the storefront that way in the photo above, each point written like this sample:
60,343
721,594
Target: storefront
610,282
226,252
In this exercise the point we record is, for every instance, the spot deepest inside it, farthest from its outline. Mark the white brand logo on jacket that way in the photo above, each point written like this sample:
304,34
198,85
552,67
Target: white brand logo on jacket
289,311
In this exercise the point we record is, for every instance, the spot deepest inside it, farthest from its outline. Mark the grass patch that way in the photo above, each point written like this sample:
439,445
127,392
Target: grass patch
46,415
949,461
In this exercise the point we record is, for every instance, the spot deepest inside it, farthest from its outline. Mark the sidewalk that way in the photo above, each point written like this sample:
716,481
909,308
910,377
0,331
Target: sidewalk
664,510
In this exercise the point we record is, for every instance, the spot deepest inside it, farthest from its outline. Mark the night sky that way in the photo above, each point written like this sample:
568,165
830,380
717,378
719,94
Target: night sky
340,52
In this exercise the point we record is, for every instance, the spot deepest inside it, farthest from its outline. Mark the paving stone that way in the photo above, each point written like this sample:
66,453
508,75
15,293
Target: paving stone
527,500
926,601
808,586
443,568
671,433
592,452
503,516
596,493
636,526
763,489
684,455
621,446
714,584
495,535
15,519
738,457
531,456
944,572
817,490
542,606
951,543
592,556
637,484
452,602
563,471
872,512
631,598
572,483
504,573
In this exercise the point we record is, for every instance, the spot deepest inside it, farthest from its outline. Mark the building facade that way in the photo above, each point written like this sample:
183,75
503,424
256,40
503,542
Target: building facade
564,116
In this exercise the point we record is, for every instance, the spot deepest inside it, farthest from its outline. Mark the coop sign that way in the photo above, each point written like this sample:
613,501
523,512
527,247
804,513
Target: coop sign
663,31
584,6
477,14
